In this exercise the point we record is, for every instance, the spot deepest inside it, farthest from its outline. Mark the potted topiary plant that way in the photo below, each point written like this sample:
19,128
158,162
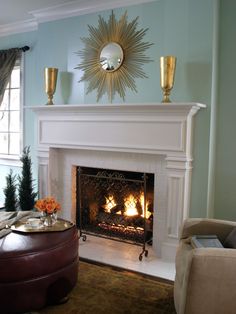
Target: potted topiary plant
10,192
26,188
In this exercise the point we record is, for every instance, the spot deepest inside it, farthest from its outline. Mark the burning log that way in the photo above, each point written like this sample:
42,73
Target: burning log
117,208
120,220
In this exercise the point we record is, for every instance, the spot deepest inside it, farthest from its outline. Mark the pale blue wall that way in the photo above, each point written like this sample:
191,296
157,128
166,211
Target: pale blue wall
182,28
225,201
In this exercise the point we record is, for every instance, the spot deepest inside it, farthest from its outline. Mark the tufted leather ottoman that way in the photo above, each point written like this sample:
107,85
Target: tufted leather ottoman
37,269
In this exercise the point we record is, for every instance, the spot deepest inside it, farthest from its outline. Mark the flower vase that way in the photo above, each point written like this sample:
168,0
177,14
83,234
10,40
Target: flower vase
49,220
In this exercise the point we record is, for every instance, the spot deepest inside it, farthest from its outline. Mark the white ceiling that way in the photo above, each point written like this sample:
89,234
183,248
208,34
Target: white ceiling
18,16
12,11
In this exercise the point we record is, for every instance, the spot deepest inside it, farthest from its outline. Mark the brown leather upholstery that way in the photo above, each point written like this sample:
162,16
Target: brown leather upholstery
36,269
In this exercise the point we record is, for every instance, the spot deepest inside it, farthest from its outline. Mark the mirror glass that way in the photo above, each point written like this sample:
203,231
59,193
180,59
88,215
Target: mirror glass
111,57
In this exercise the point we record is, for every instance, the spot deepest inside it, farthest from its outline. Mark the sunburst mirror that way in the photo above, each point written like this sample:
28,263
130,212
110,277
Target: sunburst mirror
113,56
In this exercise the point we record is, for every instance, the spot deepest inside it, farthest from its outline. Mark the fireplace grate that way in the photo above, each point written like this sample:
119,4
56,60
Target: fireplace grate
115,204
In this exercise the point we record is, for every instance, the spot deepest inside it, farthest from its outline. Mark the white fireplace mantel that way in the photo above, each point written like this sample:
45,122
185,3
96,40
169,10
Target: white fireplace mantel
111,134
149,128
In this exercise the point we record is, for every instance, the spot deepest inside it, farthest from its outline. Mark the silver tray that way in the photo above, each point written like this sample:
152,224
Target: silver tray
59,225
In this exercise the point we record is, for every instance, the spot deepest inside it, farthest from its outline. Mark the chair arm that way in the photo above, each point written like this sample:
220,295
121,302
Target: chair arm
198,226
211,281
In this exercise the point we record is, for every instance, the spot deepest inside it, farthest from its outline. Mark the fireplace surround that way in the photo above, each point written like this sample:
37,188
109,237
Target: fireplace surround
148,138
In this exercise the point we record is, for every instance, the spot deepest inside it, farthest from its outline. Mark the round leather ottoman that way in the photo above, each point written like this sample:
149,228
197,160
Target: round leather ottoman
37,269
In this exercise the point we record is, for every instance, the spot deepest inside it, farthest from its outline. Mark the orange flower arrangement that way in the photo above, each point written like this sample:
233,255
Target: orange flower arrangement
47,205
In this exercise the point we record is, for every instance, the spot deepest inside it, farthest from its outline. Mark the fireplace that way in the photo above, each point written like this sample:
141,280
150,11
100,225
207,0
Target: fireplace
141,138
115,204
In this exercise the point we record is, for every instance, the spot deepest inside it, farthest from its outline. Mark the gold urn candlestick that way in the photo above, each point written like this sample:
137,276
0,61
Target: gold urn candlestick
50,76
167,67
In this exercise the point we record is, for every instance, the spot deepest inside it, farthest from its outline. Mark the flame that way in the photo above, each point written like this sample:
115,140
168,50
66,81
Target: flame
130,206
110,203
146,212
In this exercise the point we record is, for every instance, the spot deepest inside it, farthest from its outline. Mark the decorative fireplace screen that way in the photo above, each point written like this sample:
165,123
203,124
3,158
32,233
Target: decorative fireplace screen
115,204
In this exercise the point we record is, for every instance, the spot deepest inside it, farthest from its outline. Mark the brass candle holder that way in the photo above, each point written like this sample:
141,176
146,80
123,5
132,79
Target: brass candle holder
167,68
50,76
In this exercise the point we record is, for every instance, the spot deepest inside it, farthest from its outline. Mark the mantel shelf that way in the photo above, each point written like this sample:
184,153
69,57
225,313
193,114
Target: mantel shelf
147,106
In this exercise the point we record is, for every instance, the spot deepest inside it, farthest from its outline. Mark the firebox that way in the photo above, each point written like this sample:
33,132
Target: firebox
116,204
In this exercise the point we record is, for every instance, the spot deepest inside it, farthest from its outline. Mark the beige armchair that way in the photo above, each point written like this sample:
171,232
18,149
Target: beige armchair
205,280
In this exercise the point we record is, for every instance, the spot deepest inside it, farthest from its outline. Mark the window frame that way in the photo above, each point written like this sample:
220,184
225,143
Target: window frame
14,160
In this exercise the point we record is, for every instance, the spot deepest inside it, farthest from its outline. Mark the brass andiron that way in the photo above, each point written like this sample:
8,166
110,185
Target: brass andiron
50,76
167,67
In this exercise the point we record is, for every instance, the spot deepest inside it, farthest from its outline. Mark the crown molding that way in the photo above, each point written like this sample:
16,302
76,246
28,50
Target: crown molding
68,9
81,7
18,27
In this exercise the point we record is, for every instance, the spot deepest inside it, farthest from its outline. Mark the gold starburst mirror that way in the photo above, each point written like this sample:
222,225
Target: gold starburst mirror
113,56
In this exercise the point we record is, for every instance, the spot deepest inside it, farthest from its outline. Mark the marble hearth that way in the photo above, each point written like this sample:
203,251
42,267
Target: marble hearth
154,138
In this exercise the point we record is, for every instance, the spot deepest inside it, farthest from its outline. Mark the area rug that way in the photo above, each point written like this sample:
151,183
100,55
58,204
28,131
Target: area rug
107,290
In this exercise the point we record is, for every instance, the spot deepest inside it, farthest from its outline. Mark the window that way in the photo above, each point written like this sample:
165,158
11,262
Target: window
10,113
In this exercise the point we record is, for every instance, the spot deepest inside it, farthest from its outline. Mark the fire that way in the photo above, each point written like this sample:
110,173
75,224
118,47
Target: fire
130,206
141,200
110,203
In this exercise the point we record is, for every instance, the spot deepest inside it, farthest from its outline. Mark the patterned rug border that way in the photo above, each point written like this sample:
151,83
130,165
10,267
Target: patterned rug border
122,269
